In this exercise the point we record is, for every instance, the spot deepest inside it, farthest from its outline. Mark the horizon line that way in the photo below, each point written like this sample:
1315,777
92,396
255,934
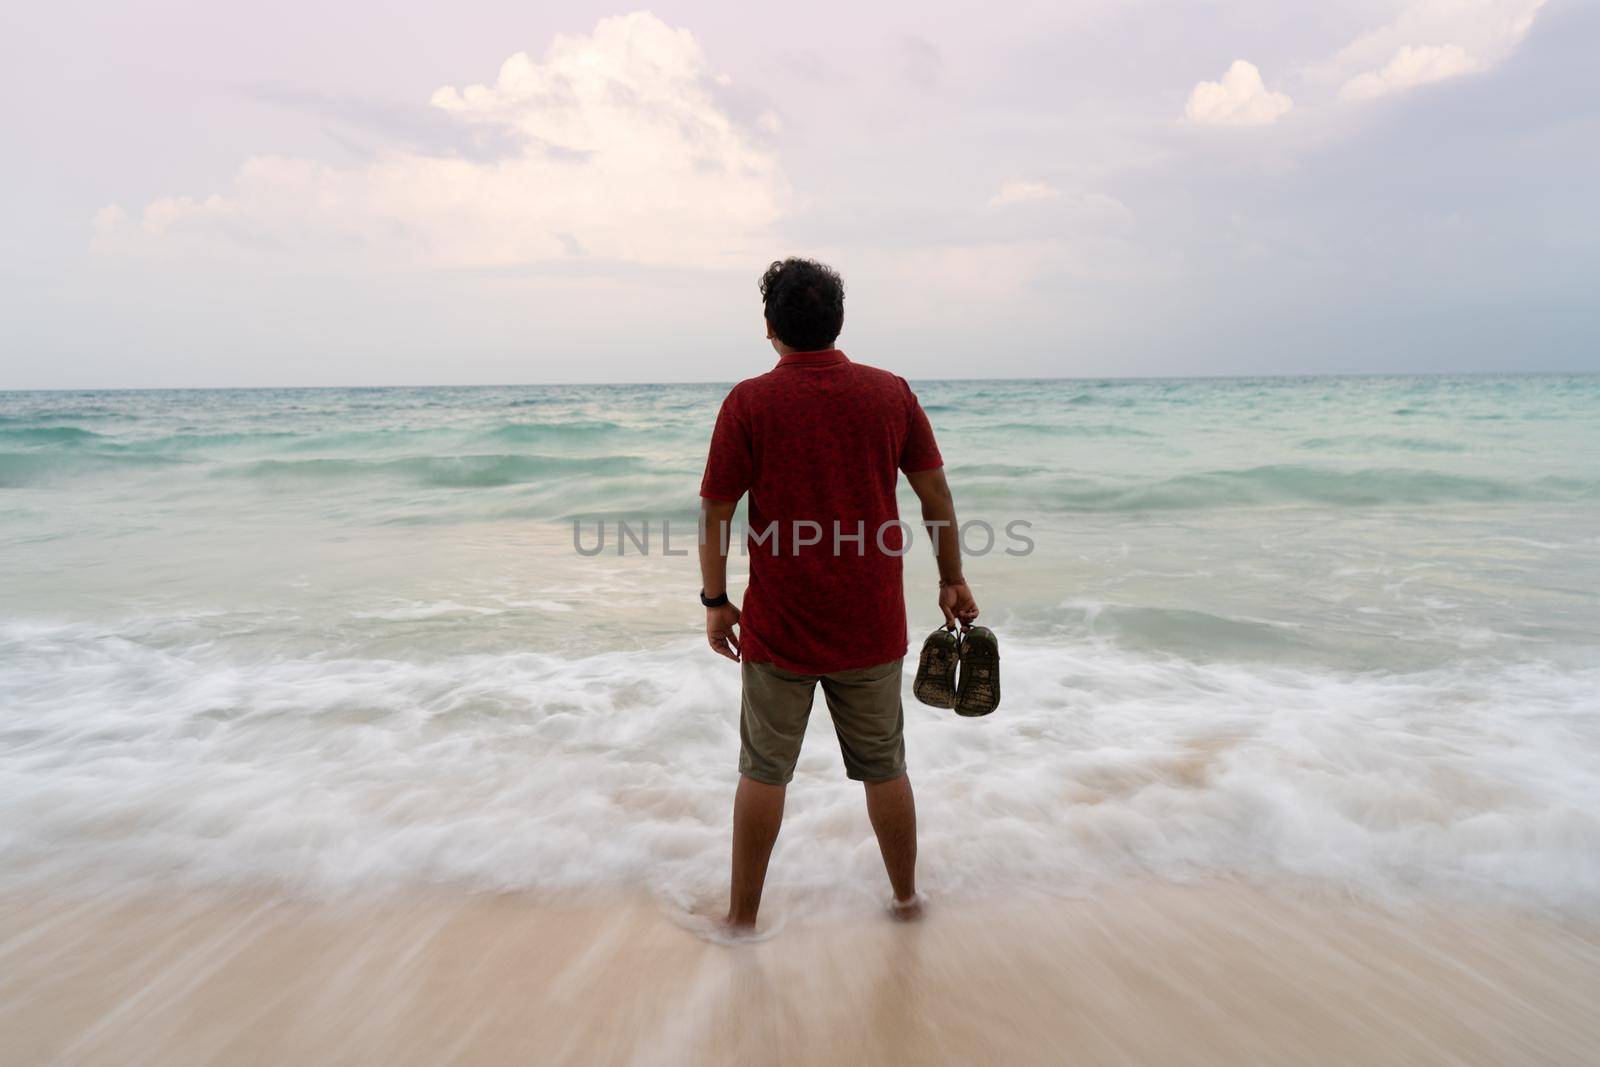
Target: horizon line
731,381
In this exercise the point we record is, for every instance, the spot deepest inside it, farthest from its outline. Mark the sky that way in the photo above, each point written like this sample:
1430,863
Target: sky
396,193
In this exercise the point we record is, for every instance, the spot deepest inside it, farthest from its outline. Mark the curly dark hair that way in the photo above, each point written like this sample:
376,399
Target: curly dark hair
804,300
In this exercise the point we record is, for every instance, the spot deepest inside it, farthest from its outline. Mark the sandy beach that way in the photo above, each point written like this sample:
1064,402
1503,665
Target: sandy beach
1156,975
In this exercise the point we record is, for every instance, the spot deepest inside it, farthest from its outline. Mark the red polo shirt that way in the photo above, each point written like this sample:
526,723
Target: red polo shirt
817,443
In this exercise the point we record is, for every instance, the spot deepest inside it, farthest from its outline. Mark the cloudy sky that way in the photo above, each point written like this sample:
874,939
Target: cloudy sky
406,193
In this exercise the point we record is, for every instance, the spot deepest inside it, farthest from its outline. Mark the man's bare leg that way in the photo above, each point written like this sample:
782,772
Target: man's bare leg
893,811
757,815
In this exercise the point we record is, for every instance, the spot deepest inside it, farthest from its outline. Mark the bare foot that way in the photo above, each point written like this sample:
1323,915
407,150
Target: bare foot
908,910
719,930
725,931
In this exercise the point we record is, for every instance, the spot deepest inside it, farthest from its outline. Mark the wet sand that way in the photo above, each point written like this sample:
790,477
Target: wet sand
1158,975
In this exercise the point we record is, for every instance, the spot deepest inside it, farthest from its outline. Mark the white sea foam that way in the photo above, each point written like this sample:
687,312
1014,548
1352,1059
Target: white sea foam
414,611
122,761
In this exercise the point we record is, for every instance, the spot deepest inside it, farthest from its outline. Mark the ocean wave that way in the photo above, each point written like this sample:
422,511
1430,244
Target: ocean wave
1198,635
1067,429
1404,444
357,443
544,432
1292,484
121,761
49,436
202,442
33,418
35,468
995,470
446,472
620,482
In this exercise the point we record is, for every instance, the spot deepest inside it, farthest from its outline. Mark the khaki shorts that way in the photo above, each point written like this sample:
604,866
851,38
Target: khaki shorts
865,705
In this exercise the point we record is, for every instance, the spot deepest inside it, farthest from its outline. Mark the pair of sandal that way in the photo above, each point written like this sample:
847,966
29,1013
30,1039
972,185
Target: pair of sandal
976,653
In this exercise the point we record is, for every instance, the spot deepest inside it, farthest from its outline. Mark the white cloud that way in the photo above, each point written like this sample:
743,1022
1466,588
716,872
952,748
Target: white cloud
1429,41
1484,28
1084,212
1018,191
1241,98
1410,66
623,154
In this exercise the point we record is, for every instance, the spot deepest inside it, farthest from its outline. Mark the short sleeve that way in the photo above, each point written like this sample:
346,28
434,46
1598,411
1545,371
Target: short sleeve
920,452
730,463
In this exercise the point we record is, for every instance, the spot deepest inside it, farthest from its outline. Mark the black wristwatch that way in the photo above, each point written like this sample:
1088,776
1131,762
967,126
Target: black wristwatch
713,601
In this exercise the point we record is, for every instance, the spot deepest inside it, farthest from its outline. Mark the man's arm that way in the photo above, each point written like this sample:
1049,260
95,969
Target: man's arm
716,522
939,516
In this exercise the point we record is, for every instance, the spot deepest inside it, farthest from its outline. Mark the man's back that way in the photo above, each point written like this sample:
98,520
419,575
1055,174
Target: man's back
818,443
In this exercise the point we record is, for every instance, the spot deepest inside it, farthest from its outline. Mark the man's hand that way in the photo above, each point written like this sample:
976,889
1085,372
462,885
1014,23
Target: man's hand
719,630
957,603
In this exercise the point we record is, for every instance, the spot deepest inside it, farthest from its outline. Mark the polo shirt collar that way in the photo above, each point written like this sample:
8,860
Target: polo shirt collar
821,357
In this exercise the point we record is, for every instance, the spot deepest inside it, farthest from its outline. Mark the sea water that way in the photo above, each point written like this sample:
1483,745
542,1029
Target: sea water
1332,632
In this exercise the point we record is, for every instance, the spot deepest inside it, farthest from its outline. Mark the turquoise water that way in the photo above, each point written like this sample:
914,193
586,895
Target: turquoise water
1336,630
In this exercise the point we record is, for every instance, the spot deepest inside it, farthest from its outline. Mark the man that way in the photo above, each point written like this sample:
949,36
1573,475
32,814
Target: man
817,443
